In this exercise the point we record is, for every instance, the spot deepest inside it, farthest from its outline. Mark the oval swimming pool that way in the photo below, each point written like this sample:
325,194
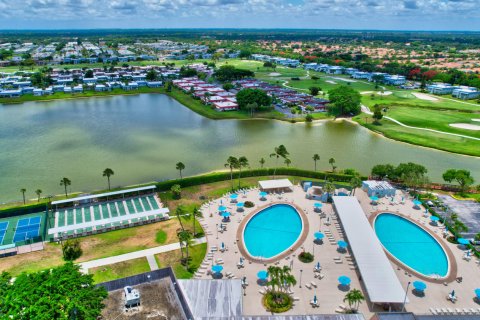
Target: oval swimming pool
271,231
411,245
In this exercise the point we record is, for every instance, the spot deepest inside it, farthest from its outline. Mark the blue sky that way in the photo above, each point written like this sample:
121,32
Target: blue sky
316,14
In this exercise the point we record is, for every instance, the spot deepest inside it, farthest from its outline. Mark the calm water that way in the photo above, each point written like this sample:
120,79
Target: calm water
411,245
142,137
272,231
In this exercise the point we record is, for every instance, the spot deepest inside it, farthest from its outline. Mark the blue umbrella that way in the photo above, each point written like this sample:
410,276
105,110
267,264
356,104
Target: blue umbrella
434,218
240,204
463,241
317,205
374,198
342,244
223,245
477,293
318,265
234,196
225,214
315,299
417,202
222,208
217,268
318,235
262,274
263,194
344,280
419,285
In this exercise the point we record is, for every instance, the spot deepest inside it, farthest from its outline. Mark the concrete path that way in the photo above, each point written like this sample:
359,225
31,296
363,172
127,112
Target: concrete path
84,266
152,262
366,110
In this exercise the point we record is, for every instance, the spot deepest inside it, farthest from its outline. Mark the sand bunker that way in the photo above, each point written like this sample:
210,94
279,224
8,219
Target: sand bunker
330,81
385,93
343,79
478,120
424,96
466,126
274,74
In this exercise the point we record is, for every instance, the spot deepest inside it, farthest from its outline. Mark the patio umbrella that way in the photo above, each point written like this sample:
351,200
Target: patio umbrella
262,275
463,241
225,214
318,266
315,299
374,198
217,268
234,196
477,293
317,205
263,194
344,280
419,285
222,208
416,203
223,245
342,244
240,205
318,235
452,293
434,218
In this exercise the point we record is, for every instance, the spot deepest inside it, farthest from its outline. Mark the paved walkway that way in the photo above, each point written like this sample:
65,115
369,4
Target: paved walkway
84,266
152,262
366,110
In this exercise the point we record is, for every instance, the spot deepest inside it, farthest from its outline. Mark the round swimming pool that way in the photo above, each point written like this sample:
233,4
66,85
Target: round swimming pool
411,245
272,231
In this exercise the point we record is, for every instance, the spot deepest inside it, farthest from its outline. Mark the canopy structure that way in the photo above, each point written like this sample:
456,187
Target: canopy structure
275,184
104,195
379,278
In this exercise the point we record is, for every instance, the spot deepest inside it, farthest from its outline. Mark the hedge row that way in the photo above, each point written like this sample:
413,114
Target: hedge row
222,176
24,209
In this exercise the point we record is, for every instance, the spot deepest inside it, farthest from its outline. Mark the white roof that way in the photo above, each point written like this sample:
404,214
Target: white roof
275,184
380,280
101,195
378,185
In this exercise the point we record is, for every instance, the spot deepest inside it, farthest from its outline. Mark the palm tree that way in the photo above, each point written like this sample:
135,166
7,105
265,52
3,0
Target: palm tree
107,173
38,192
316,158
329,188
279,152
65,182
195,214
288,162
354,297
356,182
23,190
180,166
332,163
185,238
242,163
262,162
232,163
179,212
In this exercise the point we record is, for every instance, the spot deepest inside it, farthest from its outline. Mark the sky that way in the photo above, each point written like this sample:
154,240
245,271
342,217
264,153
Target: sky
462,15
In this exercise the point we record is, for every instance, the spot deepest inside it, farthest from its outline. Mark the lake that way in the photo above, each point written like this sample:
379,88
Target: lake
142,137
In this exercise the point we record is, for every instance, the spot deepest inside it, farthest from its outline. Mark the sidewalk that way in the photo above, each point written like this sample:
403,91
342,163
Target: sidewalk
84,266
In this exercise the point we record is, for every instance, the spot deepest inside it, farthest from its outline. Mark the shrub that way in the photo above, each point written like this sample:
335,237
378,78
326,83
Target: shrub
248,204
308,118
161,237
305,257
295,78
71,250
278,302
176,191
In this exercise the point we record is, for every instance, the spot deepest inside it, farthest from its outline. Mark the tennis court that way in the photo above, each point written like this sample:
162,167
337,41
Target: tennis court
3,230
27,228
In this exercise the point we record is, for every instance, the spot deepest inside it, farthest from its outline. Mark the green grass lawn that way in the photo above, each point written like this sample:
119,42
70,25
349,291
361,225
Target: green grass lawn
421,137
197,254
119,270
161,237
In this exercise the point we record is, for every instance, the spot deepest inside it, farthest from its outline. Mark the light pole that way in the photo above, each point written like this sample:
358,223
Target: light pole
301,271
405,299
216,225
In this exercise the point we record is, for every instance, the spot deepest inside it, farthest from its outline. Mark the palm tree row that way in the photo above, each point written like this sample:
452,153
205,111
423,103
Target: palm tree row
236,163
280,279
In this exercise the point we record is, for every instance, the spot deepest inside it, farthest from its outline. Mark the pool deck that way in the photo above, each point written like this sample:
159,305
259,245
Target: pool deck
329,295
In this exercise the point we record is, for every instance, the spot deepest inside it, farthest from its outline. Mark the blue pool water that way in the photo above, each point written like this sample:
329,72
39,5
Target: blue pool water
410,244
272,231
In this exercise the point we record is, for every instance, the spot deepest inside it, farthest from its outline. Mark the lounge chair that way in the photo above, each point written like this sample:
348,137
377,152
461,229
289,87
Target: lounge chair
433,311
308,286
313,284
338,310
261,291
450,311
444,310
296,299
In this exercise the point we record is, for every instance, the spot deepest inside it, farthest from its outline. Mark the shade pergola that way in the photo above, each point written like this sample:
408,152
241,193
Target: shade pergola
278,184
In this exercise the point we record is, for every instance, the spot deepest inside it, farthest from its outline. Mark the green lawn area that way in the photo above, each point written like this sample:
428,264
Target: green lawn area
421,137
172,259
119,270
